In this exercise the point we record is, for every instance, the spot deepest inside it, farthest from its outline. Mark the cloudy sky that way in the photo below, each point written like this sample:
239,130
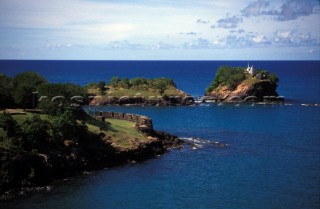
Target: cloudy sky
160,29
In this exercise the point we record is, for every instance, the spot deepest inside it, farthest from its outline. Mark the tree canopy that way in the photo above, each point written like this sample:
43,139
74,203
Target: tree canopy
24,87
142,83
6,91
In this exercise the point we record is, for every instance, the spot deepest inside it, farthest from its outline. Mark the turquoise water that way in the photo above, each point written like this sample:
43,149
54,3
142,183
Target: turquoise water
272,159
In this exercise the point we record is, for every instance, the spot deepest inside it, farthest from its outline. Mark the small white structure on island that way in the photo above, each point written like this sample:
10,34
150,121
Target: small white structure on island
250,70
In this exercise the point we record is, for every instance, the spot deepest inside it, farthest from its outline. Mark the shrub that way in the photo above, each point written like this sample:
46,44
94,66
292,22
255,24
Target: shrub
229,76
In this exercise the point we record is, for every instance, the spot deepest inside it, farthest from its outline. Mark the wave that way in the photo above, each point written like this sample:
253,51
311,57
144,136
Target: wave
196,142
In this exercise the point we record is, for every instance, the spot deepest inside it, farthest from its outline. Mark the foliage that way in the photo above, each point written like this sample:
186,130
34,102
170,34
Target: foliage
24,84
124,83
9,125
35,133
60,95
229,76
102,86
139,82
272,77
160,84
91,85
65,126
6,90
60,89
114,81
233,76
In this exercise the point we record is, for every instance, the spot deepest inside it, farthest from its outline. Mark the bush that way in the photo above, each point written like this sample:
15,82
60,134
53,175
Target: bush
24,84
9,125
229,76
6,90
160,84
35,133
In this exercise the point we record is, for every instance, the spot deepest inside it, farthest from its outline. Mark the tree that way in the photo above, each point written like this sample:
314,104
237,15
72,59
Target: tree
24,86
114,81
229,76
35,133
6,89
66,90
65,126
124,83
9,125
102,86
273,79
139,82
161,85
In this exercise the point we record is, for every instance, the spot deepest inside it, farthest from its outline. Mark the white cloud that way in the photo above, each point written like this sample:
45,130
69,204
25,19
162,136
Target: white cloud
260,39
110,27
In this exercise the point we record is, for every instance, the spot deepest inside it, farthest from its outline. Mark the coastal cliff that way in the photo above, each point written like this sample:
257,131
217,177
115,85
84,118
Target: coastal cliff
242,84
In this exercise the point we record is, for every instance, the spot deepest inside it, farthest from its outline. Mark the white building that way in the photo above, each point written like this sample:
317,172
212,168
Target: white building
250,70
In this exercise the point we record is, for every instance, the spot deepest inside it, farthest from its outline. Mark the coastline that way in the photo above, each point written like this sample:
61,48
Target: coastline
57,167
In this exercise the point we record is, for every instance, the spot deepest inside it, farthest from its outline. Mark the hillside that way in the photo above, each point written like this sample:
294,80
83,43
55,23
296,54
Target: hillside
36,149
240,83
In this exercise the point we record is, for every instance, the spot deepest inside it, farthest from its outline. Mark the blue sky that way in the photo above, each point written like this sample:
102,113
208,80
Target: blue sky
160,29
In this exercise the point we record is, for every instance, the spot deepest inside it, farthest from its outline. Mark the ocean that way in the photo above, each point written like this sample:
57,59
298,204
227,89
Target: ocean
272,157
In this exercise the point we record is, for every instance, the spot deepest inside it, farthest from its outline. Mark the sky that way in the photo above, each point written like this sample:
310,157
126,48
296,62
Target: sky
160,29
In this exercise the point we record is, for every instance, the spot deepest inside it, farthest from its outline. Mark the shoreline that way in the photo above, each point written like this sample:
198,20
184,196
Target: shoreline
60,167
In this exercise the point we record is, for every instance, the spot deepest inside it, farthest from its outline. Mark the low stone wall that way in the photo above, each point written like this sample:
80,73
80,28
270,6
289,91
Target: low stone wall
143,123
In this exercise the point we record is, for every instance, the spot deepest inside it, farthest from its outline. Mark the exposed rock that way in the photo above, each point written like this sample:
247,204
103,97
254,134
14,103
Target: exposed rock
141,101
243,90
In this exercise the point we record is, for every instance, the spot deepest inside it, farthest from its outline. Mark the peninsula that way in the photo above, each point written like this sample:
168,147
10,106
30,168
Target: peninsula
52,137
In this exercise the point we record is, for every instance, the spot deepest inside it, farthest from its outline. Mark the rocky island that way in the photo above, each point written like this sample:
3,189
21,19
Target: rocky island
239,84
138,92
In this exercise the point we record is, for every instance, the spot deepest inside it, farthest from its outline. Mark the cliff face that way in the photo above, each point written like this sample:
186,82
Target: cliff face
257,88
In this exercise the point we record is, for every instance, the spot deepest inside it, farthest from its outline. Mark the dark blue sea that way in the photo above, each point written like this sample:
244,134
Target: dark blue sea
272,158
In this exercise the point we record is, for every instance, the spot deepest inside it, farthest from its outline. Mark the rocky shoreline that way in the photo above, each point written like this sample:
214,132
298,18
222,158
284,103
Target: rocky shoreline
142,101
47,168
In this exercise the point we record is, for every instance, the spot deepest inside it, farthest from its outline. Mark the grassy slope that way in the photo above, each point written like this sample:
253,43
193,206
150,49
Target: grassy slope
122,133
147,93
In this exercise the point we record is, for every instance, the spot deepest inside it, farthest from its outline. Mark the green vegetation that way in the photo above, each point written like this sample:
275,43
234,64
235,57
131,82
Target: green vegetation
148,88
233,76
42,132
36,148
25,89
123,135
6,91
142,83
228,76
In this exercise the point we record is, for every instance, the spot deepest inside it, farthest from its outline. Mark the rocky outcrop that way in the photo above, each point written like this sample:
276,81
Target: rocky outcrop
244,92
144,124
142,101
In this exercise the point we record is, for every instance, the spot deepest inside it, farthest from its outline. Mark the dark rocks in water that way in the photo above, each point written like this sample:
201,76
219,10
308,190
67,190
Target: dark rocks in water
142,101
